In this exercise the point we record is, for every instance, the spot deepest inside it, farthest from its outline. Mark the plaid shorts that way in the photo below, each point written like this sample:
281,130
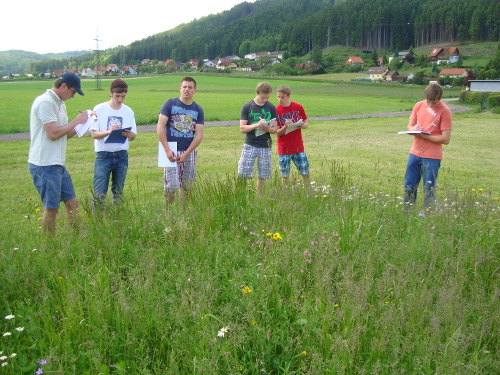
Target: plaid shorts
247,160
181,176
300,161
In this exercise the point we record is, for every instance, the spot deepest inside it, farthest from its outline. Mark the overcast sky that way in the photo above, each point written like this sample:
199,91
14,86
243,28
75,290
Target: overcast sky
60,26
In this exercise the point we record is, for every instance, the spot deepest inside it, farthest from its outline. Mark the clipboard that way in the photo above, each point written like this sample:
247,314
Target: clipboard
116,136
414,132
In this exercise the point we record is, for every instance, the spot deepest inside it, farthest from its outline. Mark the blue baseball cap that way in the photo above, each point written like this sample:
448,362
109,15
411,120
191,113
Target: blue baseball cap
71,79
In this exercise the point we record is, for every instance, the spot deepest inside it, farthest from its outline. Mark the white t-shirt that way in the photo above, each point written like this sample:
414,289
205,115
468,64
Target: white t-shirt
47,108
106,117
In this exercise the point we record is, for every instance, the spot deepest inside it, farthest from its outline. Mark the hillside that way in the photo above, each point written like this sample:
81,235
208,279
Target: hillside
17,61
298,26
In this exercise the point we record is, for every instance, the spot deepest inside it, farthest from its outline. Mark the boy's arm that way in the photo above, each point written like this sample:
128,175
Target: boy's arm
198,136
246,128
443,138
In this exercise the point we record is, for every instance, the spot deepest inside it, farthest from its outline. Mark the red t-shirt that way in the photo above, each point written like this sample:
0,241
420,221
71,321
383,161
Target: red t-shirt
290,143
432,120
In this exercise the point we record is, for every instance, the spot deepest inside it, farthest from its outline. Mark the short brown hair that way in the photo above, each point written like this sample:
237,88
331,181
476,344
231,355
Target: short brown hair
284,89
189,79
263,88
118,86
433,92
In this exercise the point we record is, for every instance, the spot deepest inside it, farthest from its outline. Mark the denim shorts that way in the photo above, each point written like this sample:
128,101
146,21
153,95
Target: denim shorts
300,161
53,183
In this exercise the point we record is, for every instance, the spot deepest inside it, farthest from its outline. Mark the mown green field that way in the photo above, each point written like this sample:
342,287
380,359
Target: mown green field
341,280
221,97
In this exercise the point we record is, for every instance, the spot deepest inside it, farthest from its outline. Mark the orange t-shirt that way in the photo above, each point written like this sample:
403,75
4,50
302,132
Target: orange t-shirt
432,120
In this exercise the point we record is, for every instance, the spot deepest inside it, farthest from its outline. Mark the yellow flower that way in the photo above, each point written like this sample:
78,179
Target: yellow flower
246,290
303,352
276,236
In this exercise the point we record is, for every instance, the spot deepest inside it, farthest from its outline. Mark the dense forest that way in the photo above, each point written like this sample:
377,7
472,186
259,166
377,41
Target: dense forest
298,26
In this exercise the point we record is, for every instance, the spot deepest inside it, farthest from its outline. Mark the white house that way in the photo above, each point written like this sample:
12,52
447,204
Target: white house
209,63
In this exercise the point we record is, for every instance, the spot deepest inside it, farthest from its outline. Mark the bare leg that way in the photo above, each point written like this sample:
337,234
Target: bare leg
169,200
307,180
72,213
260,186
49,220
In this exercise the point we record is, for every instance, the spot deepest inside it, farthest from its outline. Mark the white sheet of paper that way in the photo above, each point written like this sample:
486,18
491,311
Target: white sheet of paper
296,125
259,132
162,155
81,129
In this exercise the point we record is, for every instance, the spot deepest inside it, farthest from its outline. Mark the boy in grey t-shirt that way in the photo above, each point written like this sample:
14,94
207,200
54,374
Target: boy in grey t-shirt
257,122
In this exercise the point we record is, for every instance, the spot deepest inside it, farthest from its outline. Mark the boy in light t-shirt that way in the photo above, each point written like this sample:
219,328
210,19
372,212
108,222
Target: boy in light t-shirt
112,158
433,116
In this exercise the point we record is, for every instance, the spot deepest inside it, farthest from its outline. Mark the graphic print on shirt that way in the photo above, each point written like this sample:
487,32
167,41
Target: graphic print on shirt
115,120
292,115
255,117
183,122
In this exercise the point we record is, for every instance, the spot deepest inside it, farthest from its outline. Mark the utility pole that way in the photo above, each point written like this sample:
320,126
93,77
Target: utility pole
98,60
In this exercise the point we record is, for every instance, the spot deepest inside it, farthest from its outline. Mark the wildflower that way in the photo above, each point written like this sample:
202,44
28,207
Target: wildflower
20,329
43,362
276,236
4,364
12,355
3,358
7,334
269,234
8,317
421,214
254,322
223,331
303,352
246,290
39,371
307,253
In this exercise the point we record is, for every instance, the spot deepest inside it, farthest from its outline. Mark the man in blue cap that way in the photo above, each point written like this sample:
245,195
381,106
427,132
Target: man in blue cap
49,130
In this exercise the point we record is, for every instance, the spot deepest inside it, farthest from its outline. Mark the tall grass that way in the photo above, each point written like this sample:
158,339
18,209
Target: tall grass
339,279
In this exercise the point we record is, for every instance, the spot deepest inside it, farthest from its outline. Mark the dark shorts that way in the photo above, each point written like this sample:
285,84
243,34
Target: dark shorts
53,183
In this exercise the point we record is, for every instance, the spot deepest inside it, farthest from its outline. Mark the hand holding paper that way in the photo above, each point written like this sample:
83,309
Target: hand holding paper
81,129
294,126
260,132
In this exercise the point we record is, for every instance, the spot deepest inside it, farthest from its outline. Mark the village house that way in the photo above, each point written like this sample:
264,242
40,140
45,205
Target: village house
194,63
87,72
444,55
128,69
454,73
377,73
251,56
209,63
224,63
351,60
112,68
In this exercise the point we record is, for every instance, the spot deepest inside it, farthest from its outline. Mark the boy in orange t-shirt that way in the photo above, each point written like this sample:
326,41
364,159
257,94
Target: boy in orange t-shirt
434,117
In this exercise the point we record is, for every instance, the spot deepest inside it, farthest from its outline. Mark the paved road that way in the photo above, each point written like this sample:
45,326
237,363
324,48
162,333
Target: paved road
152,128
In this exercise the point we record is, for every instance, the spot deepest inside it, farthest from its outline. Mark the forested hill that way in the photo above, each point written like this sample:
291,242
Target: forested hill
297,26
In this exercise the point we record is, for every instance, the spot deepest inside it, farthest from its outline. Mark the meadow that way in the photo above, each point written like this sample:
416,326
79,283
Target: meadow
340,279
325,95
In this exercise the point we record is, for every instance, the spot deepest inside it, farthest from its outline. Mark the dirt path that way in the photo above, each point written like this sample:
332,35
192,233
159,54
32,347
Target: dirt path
152,128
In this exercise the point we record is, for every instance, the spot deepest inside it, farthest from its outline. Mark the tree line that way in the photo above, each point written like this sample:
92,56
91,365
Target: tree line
298,26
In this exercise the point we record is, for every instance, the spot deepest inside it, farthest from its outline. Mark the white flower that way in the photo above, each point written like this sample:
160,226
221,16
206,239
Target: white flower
3,358
4,364
12,355
20,329
7,334
8,317
223,331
